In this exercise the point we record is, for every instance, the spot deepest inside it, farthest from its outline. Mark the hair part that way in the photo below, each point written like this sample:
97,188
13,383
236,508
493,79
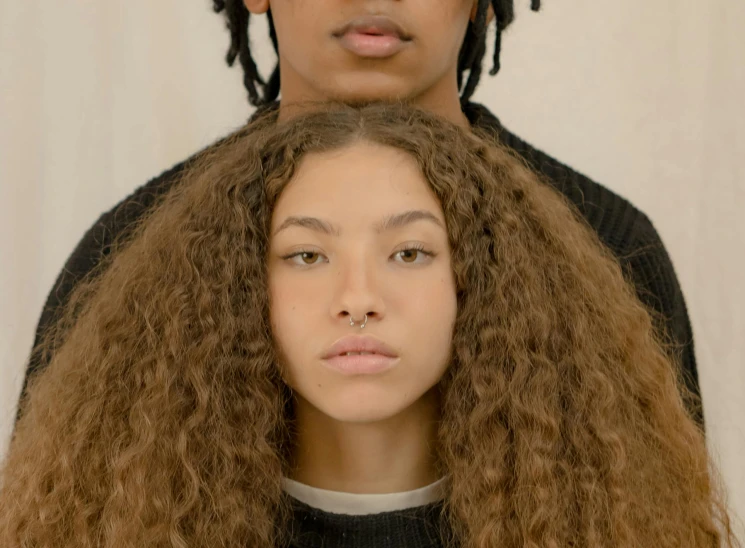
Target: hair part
470,58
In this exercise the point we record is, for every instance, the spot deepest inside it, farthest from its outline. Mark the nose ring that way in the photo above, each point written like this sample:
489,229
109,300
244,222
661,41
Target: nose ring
351,321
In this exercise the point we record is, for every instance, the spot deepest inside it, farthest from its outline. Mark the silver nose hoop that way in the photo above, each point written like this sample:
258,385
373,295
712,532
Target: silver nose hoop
352,322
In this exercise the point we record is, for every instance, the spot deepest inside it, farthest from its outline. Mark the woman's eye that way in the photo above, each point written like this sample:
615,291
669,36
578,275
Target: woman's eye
413,255
305,258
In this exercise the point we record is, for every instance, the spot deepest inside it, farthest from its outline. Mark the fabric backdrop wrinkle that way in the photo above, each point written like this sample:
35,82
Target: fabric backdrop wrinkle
644,97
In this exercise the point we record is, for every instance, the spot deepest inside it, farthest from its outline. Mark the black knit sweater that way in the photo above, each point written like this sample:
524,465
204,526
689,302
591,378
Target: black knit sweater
624,229
417,527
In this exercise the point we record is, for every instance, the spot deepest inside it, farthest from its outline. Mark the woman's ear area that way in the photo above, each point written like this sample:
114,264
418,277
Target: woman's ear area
474,9
257,6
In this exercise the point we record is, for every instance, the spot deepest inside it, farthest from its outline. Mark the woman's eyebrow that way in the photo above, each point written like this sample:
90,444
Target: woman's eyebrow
407,217
389,223
312,223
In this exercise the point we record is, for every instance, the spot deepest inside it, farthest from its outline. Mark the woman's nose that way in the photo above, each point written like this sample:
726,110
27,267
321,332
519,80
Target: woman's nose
358,293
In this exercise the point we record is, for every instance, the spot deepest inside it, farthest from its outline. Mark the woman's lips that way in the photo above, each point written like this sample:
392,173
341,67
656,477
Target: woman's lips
359,355
360,364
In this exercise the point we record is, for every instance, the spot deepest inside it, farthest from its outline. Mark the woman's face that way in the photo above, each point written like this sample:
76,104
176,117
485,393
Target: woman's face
359,232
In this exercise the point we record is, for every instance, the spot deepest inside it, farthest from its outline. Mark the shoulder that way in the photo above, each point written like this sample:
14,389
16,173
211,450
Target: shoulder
123,216
627,232
618,223
112,225
624,229
134,206
97,244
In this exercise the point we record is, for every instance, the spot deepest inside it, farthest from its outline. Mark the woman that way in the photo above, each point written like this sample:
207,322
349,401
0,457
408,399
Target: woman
442,354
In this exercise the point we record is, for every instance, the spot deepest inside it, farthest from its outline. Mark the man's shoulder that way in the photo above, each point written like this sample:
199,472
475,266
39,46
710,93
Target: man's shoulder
98,241
132,207
627,232
619,224
125,214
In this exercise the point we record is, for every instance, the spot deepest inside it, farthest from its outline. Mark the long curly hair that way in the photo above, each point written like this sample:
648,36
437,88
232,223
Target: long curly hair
162,419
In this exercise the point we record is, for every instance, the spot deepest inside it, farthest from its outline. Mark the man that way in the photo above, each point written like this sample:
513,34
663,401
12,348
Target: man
428,52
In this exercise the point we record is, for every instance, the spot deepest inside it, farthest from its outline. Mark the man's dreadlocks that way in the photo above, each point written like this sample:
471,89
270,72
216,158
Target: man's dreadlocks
469,60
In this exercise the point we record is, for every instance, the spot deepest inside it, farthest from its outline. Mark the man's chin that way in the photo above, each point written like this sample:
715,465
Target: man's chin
361,92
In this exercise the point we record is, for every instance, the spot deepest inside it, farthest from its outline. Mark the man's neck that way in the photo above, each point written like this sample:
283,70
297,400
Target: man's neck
441,100
448,108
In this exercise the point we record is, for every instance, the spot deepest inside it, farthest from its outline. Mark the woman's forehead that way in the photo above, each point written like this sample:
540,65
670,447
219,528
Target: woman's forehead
363,181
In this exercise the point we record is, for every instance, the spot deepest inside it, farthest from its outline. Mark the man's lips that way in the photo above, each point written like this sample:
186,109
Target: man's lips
372,37
373,25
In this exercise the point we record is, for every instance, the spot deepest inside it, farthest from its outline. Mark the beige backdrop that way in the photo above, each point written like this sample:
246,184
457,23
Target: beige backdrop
645,97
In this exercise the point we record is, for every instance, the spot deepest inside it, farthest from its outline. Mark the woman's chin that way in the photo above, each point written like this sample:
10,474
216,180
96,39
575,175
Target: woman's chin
361,411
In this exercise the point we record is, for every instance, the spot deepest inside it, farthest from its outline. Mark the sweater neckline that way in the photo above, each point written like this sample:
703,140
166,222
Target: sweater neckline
337,502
